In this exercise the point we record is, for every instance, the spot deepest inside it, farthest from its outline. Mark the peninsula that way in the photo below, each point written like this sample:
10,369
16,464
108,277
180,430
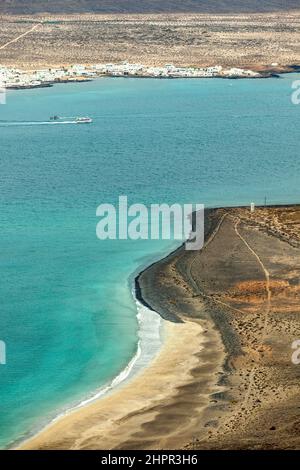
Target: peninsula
224,378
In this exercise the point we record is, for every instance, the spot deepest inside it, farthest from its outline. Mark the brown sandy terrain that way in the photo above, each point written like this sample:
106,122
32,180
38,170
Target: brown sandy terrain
247,279
224,378
246,40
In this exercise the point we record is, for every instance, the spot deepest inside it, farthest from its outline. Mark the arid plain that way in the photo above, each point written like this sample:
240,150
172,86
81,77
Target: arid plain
252,40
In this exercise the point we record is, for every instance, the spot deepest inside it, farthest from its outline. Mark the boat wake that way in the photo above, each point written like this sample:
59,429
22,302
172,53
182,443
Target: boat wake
34,123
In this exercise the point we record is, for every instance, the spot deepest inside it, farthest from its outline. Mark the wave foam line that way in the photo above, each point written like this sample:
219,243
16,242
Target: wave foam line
149,345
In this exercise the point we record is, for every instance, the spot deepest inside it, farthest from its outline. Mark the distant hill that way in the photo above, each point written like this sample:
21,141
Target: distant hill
144,6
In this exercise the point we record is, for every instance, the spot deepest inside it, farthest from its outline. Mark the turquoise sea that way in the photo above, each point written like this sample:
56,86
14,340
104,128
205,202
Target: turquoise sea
67,314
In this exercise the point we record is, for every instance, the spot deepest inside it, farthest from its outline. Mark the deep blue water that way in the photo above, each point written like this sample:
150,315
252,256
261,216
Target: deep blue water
66,313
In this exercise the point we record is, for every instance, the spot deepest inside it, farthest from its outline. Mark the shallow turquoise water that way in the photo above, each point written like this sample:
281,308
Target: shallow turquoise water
67,314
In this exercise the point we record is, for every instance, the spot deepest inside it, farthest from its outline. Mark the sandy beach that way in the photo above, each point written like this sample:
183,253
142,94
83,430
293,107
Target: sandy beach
151,410
224,378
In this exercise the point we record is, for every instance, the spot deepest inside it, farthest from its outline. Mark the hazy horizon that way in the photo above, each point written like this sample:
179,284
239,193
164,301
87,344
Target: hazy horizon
145,6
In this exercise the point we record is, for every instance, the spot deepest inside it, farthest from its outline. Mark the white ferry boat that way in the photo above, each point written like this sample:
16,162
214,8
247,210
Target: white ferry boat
83,120
77,120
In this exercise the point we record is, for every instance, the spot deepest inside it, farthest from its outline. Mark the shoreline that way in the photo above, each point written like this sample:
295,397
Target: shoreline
209,331
142,77
225,285
12,79
111,422
277,75
185,345
140,361
203,358
143,356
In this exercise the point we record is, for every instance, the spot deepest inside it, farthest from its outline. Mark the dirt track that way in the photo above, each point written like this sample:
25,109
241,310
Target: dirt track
245,284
